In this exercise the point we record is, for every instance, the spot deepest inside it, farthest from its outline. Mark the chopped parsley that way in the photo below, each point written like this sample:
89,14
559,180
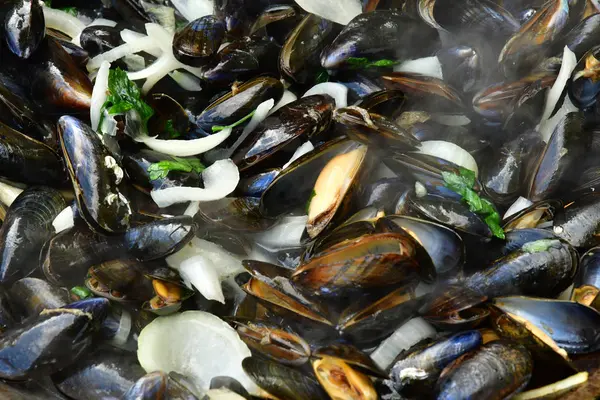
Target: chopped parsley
363,62
161,169
82,292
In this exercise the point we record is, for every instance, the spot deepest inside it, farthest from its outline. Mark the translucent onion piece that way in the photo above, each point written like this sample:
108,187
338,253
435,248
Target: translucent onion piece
99,94
554,390
336,90
103,22
304,148
63,22
124,329
547,126
402,339
194,9
285,234
64,220
261,112
220,179
196,344
200,272
287,98
187,81
185,148
340,11
569,62
8,193
429,66
520,204
142,44
450,152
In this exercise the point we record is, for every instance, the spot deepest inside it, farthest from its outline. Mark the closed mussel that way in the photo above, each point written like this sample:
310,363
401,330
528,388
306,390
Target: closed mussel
196,42
25,27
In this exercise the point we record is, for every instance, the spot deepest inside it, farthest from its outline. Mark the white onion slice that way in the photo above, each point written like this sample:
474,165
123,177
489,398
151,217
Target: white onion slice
194,9
142,44
450,152
429,66
287,98
519,205
187,81
63,22
200,272
185,148
64,220
261,112
222,394
340,11
99,94
192,208
124,329
220,179
336,90
409,334
554,390
103,22
286,234
196,344
304,148
569,62
8,193
547,126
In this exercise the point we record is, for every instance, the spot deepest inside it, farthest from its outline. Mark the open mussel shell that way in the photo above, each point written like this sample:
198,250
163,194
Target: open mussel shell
572,326
533,216
579,222
237,104
24,27
281,381
583,86
196,42
30,296
589,269
368,262
293,186
233,213
156,384
461,67
107,373
299,57
359,40
340,380
496,370
280,134
543,267
351,356
27,226
272,341
334,187
554,171
96,177
50,341
431,360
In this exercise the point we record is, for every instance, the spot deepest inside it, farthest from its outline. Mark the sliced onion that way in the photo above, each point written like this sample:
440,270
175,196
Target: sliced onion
222,394
194,9
304,148
123,330
566,294
187,81
64,220
336,90
142,44
340,11
220,179
192,209
103,22
134,62
196,344
450,152
261,112
200,272
8,193
63,22
547,126
569,62
429,66
287,98
519,205
405,337
185,148
99,94
554,390
286,234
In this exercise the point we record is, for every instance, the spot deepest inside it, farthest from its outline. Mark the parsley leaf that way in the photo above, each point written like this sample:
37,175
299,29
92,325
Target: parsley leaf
363,62
82,292
170,130
218,128
463,183
161,169
69,10
124,95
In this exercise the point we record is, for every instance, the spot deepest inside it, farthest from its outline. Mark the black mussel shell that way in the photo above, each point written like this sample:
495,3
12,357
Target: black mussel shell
30,296
583,86
579,222
25,27
196,42
589,269
461,67
27,226
156,384
96,177
581,38
97,39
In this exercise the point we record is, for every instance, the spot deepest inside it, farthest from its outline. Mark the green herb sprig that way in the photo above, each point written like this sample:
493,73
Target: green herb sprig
161,169
69,10
81,292
363,63
219,128
463,184
170,130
